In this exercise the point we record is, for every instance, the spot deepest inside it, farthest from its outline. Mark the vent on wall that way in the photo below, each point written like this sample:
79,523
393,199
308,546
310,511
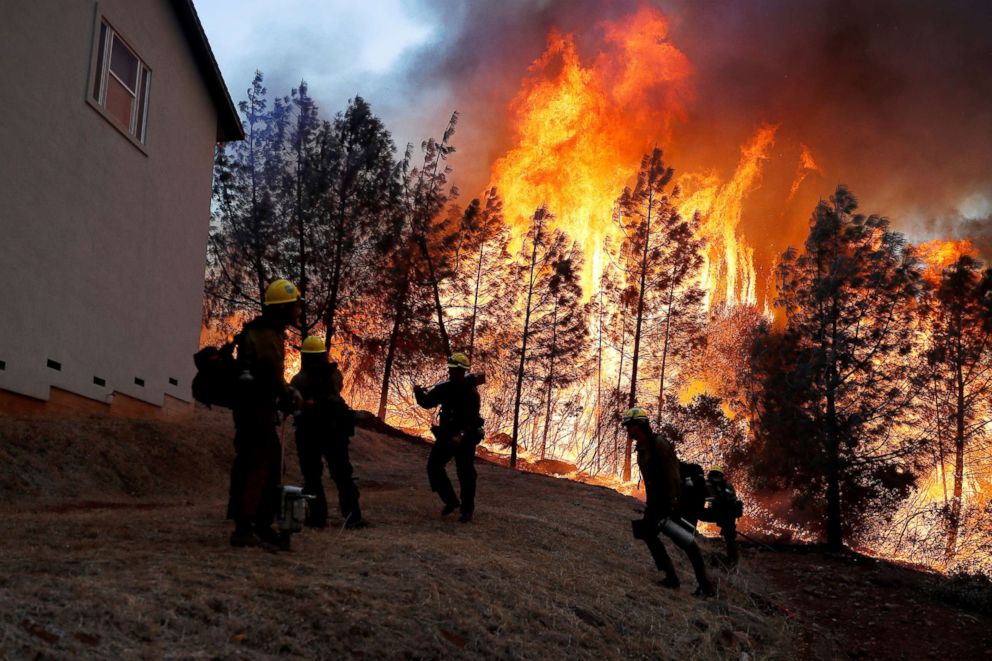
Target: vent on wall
139,382
3,365
55,365
99,382
173,382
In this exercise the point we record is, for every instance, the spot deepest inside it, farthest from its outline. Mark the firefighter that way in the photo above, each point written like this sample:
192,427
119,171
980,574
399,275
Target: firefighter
723,508
457,434
709,497
660,472
262,395
324,427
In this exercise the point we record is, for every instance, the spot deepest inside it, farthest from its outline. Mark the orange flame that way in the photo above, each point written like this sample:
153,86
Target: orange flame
938,254
581,129
807,166
728,271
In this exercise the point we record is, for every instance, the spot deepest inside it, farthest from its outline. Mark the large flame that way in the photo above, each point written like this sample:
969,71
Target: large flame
938,254
581,129
728,271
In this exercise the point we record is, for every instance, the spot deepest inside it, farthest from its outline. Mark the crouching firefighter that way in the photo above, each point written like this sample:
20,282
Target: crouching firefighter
660,472
262,394
714,500
324,427
458,433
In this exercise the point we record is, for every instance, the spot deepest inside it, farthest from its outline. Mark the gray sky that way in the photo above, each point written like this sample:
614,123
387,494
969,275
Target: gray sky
340,47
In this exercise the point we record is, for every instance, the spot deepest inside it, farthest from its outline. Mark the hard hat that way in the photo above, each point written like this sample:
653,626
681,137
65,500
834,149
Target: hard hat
313,344
458,360
281,291
636,414
716,469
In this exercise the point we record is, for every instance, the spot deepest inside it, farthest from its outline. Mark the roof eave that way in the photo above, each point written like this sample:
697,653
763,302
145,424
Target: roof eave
228,121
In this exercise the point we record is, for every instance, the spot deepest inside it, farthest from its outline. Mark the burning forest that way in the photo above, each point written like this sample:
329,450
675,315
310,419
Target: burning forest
626,239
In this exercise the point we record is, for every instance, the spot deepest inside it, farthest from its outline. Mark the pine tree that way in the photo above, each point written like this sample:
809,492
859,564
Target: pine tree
540,248
959,373
838,383
488,288
363,194
660,254
245,229
423,251
430,198
560,329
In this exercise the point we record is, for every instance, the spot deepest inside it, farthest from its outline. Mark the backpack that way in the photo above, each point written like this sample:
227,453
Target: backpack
693,487
725,499
217,372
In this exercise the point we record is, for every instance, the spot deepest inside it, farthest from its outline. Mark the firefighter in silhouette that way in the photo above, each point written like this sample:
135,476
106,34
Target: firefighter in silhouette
660,472
711,499
457,434
324,427
262,395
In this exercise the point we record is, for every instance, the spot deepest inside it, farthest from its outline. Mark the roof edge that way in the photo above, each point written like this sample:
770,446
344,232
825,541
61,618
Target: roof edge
228,121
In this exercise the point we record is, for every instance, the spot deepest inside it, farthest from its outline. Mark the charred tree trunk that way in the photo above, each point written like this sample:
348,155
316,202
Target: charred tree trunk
551,379
940,439
475,302
664,351
599,385
437,295
632,400
523,344
954,522
835,529
835,532
330,318
301,236
399,315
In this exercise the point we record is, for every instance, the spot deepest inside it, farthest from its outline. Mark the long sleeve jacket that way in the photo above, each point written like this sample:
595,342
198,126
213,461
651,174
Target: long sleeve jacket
261,351
460,405
660,472
324,410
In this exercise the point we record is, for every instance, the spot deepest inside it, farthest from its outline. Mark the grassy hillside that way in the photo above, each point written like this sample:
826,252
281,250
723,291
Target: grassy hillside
116,545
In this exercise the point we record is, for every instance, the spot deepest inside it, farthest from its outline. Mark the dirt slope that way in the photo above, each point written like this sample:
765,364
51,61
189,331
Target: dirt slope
116,546
547,570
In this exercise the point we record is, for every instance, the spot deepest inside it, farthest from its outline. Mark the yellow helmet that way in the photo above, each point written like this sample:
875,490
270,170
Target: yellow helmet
281,291
458,360
313,344
636,414
716,469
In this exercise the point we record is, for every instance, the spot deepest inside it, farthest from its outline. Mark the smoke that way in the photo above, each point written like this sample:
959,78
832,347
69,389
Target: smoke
892,97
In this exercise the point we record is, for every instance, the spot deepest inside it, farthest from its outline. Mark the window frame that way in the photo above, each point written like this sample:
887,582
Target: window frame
104,33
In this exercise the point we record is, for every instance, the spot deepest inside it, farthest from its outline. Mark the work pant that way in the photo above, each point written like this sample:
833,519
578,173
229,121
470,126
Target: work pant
728,530
648,530
313,450
463,453
254,492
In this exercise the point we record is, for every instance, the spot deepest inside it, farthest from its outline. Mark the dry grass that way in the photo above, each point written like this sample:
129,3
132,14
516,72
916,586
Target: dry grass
547,570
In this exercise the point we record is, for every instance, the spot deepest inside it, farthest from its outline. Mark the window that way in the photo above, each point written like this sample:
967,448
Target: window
121,83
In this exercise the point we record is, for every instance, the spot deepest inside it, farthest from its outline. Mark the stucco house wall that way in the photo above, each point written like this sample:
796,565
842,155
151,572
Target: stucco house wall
102,241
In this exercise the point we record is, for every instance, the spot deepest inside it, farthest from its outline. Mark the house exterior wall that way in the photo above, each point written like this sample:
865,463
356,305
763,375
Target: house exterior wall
102,243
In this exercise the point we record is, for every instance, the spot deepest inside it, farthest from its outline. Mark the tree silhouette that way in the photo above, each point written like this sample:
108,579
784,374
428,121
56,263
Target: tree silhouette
838,382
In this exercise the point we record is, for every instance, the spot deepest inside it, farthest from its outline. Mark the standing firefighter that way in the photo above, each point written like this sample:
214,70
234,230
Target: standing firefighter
262,393
457,434
660,471
324,427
